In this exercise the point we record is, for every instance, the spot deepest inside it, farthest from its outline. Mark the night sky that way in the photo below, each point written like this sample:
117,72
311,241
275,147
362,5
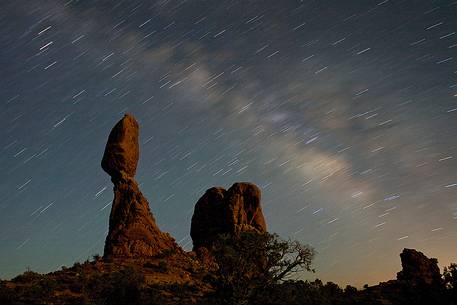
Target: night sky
343,112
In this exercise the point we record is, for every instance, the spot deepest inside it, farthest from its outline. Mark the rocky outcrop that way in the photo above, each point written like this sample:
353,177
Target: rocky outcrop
419,283
133,233
418,268
231,211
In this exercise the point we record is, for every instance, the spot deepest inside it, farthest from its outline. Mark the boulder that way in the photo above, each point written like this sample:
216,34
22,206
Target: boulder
418,268
121,155
231,212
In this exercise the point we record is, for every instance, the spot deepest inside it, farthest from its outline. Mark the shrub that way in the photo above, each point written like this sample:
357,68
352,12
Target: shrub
27,277
6,295
251,263
115,288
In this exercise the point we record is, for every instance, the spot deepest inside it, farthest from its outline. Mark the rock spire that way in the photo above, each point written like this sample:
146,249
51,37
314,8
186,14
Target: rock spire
133,232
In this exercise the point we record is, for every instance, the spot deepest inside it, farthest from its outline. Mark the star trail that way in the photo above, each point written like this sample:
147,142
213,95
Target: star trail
344,113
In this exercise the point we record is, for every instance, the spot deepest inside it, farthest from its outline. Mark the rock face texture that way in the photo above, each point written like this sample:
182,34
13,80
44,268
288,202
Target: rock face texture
418,268
133,233
231,211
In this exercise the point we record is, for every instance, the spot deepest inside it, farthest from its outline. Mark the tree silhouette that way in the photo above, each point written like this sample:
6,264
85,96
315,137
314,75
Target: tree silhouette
252,262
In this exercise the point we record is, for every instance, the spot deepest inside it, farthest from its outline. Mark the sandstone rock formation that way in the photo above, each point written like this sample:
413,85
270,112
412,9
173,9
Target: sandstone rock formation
122,150
231,211
133,233
418,268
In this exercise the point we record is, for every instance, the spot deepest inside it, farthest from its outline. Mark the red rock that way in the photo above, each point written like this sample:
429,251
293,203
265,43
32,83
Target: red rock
133,232
245,209
121,155
231,211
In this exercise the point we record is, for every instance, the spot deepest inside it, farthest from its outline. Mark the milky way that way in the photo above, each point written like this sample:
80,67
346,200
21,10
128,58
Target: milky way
343,112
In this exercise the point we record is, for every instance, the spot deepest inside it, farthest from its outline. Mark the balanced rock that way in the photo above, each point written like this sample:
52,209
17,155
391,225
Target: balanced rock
122,150
133,232
418,268
231,211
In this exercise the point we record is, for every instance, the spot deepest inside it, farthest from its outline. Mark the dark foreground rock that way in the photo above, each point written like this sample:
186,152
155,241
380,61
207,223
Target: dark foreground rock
418,269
